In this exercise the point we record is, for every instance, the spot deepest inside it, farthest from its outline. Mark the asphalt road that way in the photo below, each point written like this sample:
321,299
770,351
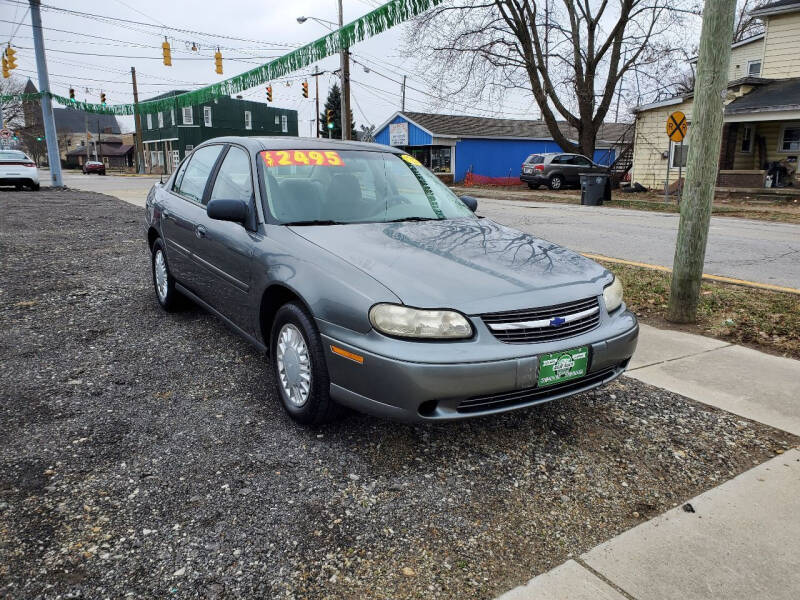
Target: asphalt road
144,454
759,251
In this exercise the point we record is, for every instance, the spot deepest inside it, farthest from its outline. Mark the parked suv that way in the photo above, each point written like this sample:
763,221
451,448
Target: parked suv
557,169
94,166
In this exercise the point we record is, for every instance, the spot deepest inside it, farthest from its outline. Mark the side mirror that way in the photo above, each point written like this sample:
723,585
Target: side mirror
471,203
223,209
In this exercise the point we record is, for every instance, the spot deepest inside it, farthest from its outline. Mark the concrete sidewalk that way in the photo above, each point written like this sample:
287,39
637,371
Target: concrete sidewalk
743,540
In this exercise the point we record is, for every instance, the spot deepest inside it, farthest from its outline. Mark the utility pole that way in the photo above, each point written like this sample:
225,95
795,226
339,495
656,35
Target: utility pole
403,95
316,92
53,157
345,64
137,123
703,160
86,124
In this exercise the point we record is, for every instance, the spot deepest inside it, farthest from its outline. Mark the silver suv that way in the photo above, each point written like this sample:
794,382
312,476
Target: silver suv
557,169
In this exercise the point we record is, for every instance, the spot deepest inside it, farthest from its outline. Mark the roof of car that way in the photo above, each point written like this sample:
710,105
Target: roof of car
256,144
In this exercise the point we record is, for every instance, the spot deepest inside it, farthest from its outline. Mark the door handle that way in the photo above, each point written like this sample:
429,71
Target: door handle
166,214
200,231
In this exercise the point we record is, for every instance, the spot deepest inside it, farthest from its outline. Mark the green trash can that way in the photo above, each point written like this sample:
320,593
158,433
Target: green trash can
595,188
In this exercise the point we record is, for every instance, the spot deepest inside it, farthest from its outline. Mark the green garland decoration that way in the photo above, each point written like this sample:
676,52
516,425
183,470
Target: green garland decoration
377,21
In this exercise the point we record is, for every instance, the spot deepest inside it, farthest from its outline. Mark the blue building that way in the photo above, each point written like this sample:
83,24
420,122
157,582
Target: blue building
496,148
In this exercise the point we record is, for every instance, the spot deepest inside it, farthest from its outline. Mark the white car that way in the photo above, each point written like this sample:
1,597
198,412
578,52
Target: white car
17,169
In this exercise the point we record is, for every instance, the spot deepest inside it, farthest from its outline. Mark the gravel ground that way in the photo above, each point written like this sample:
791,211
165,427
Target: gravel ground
143,454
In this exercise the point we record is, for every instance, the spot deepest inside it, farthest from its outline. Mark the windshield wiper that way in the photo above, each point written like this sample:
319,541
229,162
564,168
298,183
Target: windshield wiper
315,222
403,219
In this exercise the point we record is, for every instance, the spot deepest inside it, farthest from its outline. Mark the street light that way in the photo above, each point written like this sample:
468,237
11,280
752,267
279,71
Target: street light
344,60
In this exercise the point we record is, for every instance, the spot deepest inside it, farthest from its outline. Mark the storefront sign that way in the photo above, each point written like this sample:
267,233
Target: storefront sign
398,134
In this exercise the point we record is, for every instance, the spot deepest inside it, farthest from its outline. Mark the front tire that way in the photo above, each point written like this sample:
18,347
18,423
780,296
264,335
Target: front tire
163,281
556,182
298,366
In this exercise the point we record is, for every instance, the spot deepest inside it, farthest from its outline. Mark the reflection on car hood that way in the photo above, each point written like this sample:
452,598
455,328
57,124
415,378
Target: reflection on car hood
472,265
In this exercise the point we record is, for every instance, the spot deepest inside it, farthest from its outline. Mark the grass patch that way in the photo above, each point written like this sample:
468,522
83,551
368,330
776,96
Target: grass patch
764,319
762,213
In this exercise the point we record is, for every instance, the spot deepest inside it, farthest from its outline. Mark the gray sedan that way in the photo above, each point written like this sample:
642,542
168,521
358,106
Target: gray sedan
369,284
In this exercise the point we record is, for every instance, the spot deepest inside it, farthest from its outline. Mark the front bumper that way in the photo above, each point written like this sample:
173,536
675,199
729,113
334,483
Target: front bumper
411,391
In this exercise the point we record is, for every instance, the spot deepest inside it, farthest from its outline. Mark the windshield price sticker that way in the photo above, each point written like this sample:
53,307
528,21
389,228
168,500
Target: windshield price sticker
305,158
410,160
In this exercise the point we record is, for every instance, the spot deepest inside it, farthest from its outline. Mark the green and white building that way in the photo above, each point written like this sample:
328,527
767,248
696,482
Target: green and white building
170,134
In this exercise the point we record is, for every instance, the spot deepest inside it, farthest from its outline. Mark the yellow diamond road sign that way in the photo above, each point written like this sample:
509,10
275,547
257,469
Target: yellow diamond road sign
676,126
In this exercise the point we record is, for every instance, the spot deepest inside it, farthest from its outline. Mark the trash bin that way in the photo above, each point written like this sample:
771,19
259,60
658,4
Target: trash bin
595,188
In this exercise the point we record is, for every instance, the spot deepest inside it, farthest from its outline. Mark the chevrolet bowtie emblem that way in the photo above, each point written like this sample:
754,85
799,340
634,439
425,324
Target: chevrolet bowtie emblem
557,321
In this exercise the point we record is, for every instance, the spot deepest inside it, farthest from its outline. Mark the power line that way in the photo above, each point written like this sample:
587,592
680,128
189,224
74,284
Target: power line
95,54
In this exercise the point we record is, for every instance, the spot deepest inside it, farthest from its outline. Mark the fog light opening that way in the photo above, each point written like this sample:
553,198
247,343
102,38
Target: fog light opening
427,408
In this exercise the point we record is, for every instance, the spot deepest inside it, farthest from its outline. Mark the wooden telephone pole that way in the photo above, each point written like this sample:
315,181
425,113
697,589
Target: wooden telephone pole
703,159
137,122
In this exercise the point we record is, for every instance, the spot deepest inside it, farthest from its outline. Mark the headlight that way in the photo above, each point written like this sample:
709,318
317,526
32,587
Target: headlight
612,294
402,321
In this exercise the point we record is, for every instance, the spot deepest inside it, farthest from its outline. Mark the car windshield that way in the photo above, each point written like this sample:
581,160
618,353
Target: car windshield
12,155
354,186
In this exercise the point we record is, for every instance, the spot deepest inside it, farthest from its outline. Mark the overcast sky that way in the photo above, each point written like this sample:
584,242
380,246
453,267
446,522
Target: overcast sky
81,55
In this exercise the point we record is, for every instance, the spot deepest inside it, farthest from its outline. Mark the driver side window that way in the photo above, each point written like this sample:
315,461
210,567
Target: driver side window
191,182
234,181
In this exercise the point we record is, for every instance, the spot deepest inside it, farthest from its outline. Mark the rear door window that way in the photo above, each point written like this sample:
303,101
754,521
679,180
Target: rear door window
580,161
192,182
535,159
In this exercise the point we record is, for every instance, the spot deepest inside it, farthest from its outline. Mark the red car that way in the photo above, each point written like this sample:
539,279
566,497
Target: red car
94,166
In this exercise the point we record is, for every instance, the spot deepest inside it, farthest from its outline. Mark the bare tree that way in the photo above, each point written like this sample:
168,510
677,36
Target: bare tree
13,116
745,25
570,55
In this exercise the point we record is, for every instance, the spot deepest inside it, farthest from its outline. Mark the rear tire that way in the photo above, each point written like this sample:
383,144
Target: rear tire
299,369
556,182
35,187
533,186
163,282
18,187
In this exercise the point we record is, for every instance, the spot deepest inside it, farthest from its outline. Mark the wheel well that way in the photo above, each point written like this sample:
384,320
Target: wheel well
274,297
152,236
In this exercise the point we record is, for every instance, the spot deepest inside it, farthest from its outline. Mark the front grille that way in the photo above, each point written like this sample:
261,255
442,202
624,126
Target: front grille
506,399
510,327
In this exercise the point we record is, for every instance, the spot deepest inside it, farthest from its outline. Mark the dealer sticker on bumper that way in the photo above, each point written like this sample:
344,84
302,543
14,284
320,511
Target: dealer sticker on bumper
558,367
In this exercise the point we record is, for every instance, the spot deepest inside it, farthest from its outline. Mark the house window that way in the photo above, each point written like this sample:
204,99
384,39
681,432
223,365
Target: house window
207,116
248,120
679,155
160,120
149,121
189,148
754,68
172,116
746,145
790,139
188,118
156,158
277,120
284,124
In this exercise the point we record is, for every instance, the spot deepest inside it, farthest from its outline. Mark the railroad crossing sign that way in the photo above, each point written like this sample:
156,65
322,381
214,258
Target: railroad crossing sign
676,126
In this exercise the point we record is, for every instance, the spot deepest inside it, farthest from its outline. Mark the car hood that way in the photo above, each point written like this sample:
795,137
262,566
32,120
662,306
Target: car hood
472,265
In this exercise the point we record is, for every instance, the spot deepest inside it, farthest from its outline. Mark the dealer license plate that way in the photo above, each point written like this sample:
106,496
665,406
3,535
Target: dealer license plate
558,367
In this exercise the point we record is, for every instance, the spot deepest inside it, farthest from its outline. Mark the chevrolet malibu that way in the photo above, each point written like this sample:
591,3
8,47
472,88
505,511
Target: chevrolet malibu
369,284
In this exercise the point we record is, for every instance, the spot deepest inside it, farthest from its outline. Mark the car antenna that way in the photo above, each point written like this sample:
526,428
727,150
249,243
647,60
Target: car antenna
161,178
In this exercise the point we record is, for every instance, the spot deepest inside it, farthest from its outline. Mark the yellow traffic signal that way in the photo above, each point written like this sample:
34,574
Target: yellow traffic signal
269,93
305,89
329,116
102,98
6,74
218,61
167,52
11,59
72,94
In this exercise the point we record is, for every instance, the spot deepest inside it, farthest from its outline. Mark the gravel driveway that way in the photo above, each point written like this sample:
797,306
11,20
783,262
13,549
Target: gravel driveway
143,454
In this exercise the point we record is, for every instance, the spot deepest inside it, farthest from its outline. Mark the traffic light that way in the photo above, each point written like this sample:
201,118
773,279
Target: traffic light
329,118
72,94
11,58
218,61
167,52
269,93
102,98
305,89
6,73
